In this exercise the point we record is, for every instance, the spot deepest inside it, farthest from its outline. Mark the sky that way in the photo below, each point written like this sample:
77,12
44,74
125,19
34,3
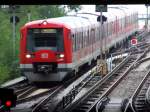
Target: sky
140,8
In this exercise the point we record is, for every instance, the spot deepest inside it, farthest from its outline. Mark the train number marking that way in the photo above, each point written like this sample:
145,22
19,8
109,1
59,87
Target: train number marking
44,55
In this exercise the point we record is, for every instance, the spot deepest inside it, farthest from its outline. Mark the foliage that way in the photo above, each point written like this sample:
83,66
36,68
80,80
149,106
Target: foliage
9,65
74,7
4,73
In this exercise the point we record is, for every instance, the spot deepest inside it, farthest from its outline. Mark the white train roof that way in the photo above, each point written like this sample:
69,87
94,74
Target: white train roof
85,19
70,21
115,12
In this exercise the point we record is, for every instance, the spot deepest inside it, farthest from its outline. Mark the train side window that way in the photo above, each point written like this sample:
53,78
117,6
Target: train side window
85,38
104,31
73,42
107,28
96,33
78,38
88,37
110,28
90,41
82,39
75,39
78,44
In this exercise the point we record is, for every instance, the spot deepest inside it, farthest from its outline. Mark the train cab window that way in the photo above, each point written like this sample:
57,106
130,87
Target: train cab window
51,39
30,41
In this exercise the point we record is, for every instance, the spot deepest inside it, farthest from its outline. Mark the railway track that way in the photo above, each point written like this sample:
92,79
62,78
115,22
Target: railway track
125,89
33,101
103,87
138,101
86,103
63,101
21,87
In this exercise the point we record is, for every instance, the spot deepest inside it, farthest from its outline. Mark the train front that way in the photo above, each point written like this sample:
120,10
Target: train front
42,52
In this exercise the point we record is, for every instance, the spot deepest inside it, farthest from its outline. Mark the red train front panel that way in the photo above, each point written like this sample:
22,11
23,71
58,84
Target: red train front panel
45,54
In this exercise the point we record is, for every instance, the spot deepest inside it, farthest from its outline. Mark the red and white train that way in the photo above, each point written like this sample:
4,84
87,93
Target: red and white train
52,48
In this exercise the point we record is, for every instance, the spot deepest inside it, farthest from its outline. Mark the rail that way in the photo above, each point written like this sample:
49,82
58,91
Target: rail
101,82
131,105
96,86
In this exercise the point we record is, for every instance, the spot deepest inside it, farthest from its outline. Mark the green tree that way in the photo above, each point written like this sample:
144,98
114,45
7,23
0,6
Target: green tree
49,11
75,8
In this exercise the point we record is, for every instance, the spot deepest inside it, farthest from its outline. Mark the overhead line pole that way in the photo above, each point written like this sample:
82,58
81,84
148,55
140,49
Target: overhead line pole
147,17
101,49
101,64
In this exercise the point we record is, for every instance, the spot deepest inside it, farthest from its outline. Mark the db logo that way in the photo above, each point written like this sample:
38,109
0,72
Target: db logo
44,55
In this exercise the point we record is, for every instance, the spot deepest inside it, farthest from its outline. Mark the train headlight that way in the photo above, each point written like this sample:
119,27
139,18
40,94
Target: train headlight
28,56
61,55
44,23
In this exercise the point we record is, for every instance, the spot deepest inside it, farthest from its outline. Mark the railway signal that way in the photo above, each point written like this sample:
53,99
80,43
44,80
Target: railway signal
134,41
7,99
14,20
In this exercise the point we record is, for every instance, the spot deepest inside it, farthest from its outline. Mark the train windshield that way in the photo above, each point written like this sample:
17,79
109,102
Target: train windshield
39,39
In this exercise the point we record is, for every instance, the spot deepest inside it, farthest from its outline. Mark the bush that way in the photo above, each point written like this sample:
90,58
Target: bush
4,73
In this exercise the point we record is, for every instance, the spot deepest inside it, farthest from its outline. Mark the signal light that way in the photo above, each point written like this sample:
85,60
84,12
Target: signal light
61,55
8,103
134,41
7,98
28,56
